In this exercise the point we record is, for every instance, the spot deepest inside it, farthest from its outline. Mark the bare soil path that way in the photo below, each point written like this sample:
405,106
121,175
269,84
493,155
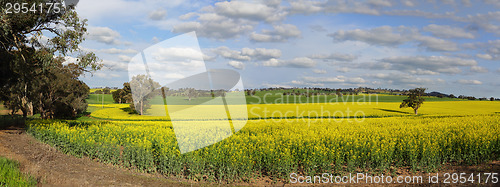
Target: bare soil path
54,168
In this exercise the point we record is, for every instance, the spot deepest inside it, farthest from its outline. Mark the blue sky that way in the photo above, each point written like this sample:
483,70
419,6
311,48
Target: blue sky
451,46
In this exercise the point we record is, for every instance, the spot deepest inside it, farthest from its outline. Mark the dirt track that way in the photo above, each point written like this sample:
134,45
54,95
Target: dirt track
53,168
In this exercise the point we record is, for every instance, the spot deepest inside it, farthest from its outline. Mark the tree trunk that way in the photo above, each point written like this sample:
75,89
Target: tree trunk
140,102
416,111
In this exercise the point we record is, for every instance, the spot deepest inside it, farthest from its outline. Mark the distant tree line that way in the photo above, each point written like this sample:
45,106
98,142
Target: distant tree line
142,88
312,91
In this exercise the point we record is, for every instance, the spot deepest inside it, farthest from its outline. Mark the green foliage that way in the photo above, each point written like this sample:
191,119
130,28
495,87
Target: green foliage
30,68
11,176
415,99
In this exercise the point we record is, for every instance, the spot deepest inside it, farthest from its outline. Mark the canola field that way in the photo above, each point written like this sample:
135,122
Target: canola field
273,144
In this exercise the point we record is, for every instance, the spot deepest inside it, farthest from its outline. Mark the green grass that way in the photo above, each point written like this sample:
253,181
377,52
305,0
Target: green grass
97,99
11,176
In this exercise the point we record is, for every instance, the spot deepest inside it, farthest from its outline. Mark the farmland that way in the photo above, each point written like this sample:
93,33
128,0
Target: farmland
380,137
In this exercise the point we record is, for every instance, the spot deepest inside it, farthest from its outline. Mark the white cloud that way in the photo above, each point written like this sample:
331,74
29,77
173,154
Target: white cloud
446,31
281,33
478,69
118,51
335,56
247,54
158,14
236,64
394,36
426,64
469,82
384,35
104,35
69,59
300,62
436,44
261,53
99,11
343,70
114,65
224,29
409,3
124,58
247,10
305,7
385,3
226,20
319,71
175,54
403,79
337,79
106,75
485,56
230,54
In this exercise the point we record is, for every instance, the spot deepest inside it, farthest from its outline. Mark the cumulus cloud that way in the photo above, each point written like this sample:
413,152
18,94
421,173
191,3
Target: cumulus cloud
394,36
436,44
118,51
446,31
336,79
247,54
424,64
383,3
224,29
319,71
114,65
236,64
230,54
261,53
248,10
335,56
226,20
343,69
305,7
175,54
478,69
158,14
491,49
104,35
300,62
124,58
405,79
280,33
469,82
485,56
385,35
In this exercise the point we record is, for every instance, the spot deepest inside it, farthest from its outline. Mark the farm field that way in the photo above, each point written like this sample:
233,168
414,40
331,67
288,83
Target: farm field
388,138
274,148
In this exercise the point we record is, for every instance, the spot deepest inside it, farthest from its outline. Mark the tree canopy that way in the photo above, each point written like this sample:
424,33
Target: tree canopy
415,99
36,75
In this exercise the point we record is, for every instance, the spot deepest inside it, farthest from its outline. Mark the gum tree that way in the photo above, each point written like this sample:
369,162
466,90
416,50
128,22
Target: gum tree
415,99
33,47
